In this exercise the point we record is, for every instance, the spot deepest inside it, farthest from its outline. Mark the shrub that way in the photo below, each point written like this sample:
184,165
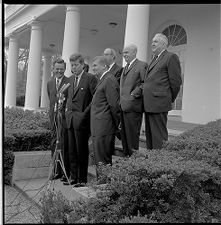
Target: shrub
16,118
136,219
30,140
8,158
55,208
163,186
160,185
200,143
30,130
24,131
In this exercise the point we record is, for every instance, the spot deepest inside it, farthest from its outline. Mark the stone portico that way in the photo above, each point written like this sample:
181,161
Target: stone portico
47,30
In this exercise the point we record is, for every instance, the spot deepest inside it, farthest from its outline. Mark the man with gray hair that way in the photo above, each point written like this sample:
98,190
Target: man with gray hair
131,99
115,69
160,89
105,112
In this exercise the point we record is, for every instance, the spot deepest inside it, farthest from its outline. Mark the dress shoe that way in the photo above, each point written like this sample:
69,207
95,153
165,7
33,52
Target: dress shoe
63,178
70,183
80,185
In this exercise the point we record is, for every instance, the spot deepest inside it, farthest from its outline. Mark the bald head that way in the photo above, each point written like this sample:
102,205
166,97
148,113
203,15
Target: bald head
130,52
110,55
99,65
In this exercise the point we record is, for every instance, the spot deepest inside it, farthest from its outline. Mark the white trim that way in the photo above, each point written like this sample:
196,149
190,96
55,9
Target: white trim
16,12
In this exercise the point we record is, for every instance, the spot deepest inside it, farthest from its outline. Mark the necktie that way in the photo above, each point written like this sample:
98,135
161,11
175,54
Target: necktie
57,84
126,68
154,58
76,82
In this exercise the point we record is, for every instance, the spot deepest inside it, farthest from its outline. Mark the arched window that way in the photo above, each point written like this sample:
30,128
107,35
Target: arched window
176,35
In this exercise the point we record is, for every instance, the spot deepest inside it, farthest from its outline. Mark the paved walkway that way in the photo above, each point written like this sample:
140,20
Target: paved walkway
34,188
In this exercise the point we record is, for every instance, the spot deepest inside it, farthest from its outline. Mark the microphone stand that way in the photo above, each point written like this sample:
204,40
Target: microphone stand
57,156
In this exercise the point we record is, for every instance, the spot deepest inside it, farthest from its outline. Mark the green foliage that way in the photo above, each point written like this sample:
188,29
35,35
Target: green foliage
180,183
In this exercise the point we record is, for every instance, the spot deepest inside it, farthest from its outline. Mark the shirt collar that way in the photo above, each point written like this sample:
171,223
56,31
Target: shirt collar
111,66
132,62
59,79
103,74
160,53
79,76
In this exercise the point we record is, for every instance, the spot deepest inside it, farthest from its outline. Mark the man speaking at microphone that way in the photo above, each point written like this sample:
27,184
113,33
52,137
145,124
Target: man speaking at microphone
80,93
57,113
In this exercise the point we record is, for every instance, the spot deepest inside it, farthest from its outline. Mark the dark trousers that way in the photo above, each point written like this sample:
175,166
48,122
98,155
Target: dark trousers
78,154
155,129
130,131
103,147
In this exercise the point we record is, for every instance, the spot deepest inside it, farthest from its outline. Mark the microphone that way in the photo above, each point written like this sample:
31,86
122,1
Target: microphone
64,88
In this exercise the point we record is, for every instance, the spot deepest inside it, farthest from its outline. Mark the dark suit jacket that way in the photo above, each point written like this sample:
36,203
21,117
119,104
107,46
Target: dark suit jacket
131,83
79,100
52,95
116,70
105,109
162,83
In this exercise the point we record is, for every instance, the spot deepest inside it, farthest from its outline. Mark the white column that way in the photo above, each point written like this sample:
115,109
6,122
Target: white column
136,31
71,35
34,68
12,71
45,78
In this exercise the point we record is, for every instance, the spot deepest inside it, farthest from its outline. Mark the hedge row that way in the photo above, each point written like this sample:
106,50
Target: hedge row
180,183
17,118
24,130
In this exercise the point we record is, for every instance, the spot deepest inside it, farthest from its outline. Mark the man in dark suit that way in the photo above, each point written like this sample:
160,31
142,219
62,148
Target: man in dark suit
105,112
77,113
131,99
115,69
160,89
57,120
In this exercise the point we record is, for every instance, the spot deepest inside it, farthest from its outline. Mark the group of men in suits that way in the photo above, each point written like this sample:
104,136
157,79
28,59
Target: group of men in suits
113,100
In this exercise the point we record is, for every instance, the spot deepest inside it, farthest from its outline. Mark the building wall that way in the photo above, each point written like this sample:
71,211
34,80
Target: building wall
201,93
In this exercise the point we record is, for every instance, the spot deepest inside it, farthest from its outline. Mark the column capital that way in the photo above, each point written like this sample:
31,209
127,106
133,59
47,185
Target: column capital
72,8
13,38
36,25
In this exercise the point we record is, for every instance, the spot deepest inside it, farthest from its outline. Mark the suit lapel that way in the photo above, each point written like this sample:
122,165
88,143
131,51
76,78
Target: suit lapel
102,79
80,82
131,66
113,68
152,64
